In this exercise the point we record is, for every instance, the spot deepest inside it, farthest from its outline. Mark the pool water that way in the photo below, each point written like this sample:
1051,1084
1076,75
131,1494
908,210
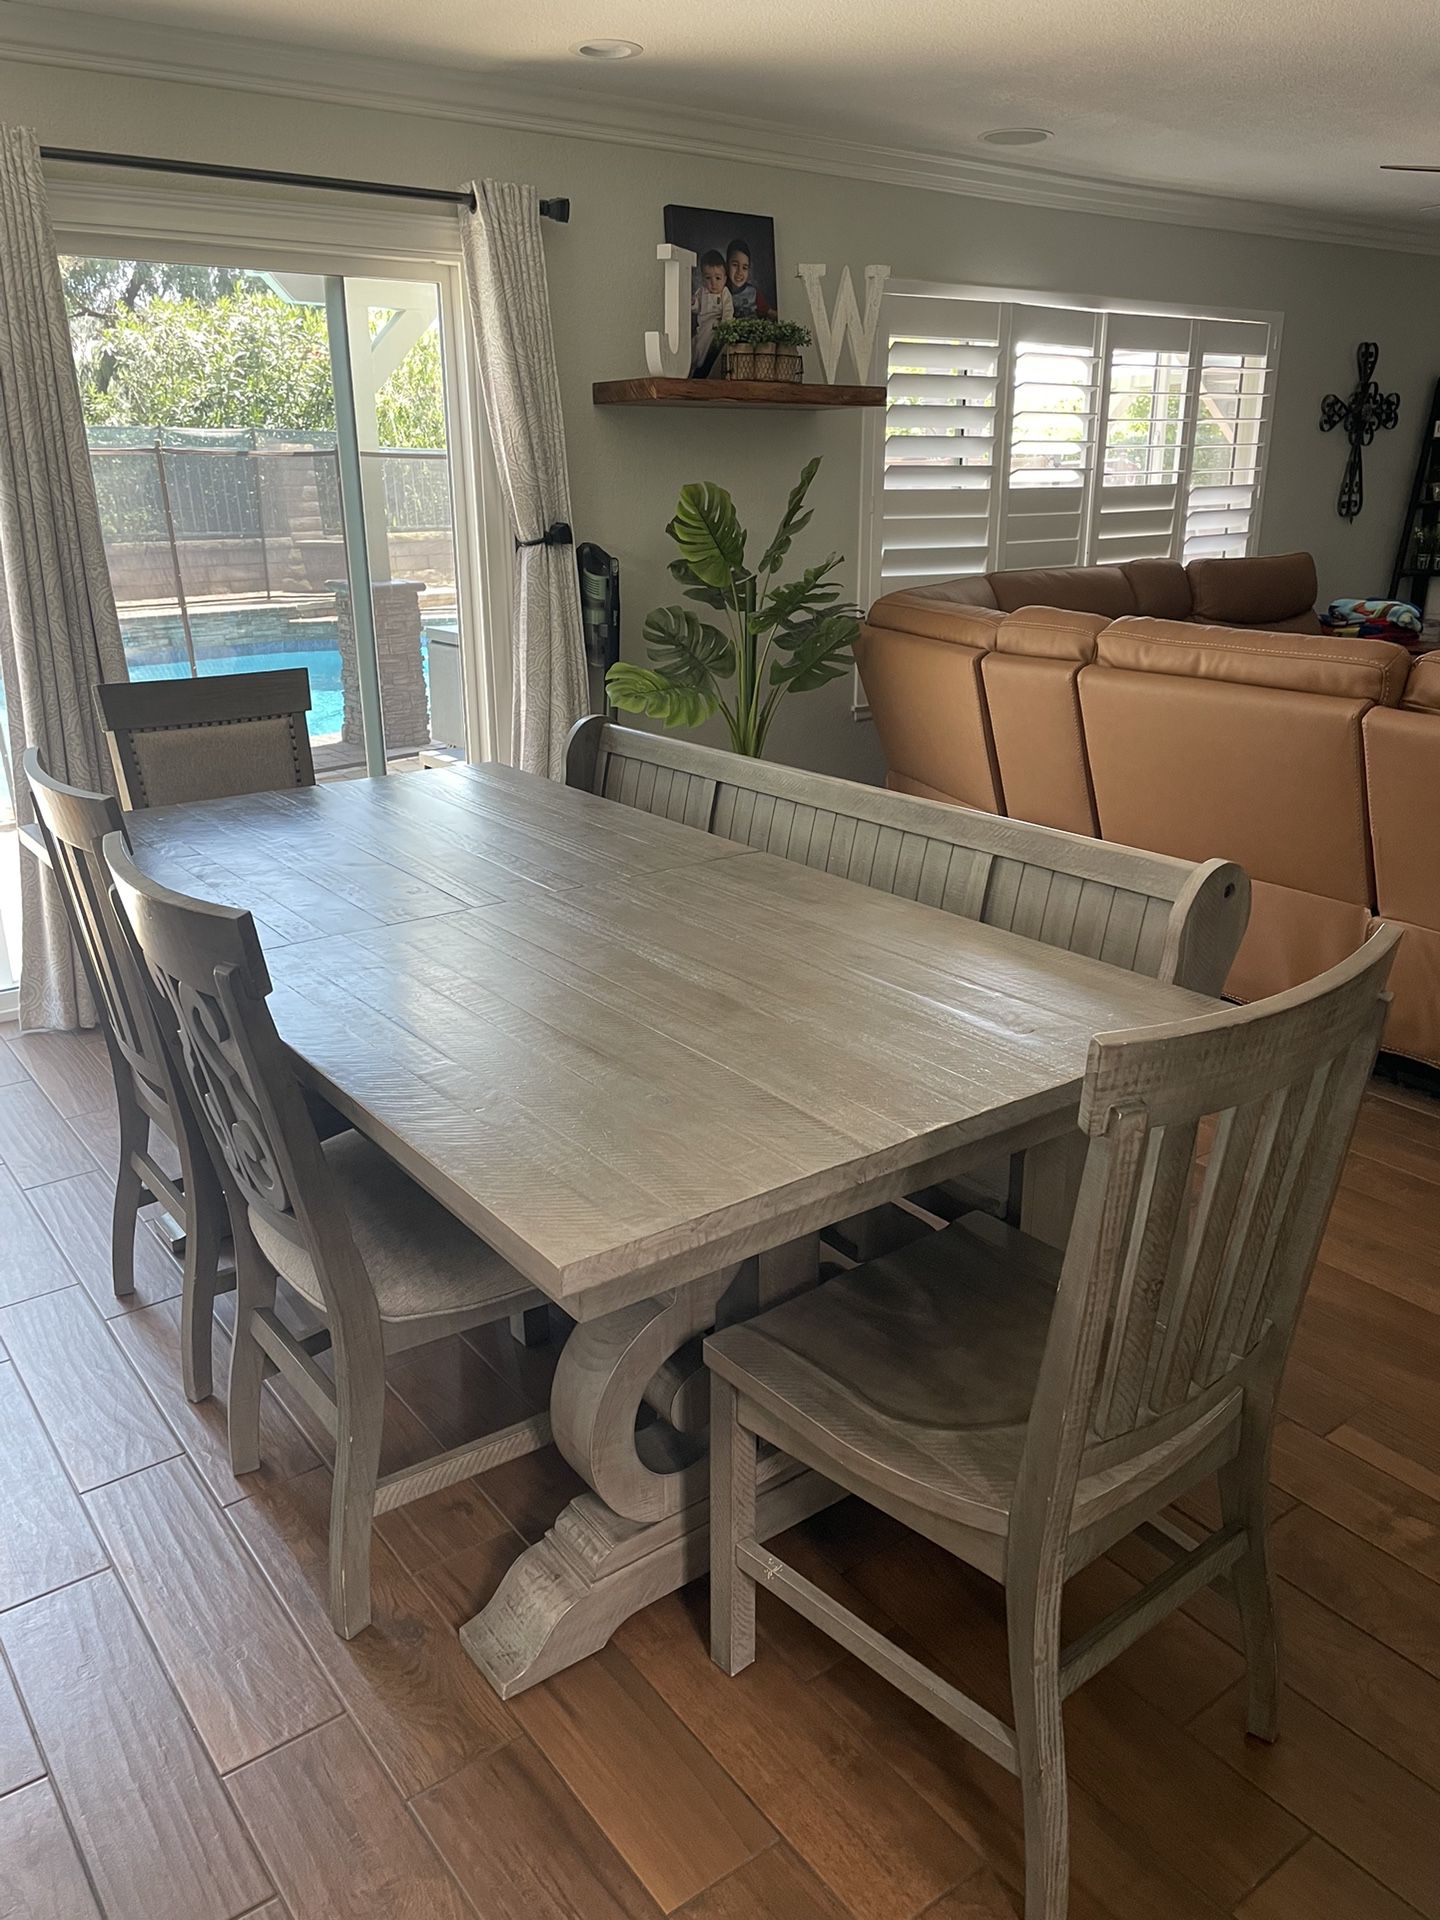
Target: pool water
255,640
327,700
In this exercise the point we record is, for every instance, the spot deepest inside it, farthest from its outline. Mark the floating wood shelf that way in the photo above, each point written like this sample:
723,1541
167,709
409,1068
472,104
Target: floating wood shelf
652,391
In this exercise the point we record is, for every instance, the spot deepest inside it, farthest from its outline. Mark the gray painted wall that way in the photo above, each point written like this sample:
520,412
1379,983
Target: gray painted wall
627,465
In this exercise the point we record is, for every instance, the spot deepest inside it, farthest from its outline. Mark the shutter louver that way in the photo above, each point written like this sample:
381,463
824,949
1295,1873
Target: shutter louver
1232,429
1143,438
941,374
1050,459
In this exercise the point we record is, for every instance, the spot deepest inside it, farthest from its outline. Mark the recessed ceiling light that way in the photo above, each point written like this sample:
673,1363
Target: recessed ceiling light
1017,136
609,49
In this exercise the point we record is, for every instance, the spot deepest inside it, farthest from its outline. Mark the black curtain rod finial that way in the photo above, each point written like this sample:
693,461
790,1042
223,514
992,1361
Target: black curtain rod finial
556,210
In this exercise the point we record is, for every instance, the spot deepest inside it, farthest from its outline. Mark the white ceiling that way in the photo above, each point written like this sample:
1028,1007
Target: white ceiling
1290,102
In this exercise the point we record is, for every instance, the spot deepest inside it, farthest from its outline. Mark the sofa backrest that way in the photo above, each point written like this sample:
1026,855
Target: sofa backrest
1402,778
1246,745
1274,591
919,658
1422,689
1031,680
1156,587
1371,670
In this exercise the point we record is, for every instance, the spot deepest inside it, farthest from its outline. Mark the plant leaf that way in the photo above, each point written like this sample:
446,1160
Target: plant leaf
643,690
792,520
687,650
817,654
802,596
682,572
708,534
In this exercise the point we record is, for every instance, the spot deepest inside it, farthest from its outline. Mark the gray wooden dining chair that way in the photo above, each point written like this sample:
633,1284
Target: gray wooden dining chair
1026,1412
383,1265
148,1090
177,740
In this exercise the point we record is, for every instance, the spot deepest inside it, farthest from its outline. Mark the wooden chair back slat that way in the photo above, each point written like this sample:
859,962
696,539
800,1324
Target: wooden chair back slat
1184,1273
1168,918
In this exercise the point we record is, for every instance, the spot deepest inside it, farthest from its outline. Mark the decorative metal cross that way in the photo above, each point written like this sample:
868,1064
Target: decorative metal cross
1362,415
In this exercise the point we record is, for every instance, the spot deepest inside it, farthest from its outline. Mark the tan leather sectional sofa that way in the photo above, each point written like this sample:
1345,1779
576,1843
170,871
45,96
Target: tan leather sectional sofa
1275,591
1313,762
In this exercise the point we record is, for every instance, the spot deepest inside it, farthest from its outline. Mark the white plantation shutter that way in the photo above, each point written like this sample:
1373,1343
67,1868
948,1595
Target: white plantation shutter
1019,435
1049,464
1145,422
936,504
1231,434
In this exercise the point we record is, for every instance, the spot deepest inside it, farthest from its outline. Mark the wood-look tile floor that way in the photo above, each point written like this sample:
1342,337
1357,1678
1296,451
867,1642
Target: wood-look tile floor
183,1738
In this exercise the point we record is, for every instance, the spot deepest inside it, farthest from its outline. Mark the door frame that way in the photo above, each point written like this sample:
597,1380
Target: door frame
327,233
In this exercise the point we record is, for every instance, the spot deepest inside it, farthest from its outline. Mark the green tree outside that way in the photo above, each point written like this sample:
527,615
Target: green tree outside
167,346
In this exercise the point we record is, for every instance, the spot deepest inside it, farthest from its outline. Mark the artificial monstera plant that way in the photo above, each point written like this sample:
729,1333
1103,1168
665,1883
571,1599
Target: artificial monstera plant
773,639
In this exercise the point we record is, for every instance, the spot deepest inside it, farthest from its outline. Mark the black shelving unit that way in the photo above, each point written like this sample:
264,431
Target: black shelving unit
1417,558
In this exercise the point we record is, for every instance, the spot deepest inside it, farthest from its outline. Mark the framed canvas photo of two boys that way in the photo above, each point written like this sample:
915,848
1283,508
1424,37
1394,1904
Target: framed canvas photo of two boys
733,277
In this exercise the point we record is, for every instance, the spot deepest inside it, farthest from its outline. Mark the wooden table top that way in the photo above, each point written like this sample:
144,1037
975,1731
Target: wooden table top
625,1051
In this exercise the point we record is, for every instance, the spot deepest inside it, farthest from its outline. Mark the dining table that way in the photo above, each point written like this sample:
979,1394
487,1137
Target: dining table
651,1066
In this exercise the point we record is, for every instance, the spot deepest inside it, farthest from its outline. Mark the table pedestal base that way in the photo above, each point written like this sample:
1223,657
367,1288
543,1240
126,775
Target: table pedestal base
566,1595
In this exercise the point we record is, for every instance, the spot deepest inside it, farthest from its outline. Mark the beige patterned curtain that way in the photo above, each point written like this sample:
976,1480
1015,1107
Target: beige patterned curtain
510,306
58,630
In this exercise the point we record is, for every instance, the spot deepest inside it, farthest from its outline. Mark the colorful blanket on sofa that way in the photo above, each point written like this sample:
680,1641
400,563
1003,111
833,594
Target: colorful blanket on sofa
1374,620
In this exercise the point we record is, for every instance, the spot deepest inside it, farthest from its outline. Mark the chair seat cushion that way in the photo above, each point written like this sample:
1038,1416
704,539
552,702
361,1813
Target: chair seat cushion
917,1369
421,1260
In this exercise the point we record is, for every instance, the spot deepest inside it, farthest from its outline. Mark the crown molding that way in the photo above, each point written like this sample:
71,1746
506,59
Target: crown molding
59,37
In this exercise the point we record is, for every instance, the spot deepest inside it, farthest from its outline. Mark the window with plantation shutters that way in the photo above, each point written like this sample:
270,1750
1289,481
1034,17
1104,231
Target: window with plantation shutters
1028,435
937,483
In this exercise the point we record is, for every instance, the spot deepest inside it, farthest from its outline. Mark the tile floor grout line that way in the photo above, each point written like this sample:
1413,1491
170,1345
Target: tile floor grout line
134,1606
1345,1726
48,1776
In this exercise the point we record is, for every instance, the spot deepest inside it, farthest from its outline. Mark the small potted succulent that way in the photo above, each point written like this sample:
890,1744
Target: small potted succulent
756,349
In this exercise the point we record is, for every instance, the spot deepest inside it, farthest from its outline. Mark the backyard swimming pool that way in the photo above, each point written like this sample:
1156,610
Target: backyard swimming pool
254,640
327,708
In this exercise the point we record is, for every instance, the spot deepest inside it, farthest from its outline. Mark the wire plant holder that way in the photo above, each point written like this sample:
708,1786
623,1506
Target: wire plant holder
756,349
764,363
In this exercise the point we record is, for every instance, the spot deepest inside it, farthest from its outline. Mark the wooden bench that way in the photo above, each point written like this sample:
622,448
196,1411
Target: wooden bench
1171,919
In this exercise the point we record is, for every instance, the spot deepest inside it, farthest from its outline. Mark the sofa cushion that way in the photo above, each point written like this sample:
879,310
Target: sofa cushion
1083,589
938,615
1161,588
1414,1024
1255,591
1291,937
1050,633
929,710
1039,740
1270,778
1351,669
1402,776
1422,689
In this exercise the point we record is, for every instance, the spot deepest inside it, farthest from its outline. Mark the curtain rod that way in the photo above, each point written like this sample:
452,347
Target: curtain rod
558,210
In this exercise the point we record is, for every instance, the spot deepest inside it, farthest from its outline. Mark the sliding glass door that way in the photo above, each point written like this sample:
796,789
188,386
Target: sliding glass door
271,447
271,457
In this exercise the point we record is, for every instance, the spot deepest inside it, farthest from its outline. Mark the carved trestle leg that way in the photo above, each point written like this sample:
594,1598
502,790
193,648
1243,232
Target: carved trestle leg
630,1411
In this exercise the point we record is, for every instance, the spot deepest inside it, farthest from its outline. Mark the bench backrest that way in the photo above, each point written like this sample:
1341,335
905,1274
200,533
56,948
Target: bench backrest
1173,919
